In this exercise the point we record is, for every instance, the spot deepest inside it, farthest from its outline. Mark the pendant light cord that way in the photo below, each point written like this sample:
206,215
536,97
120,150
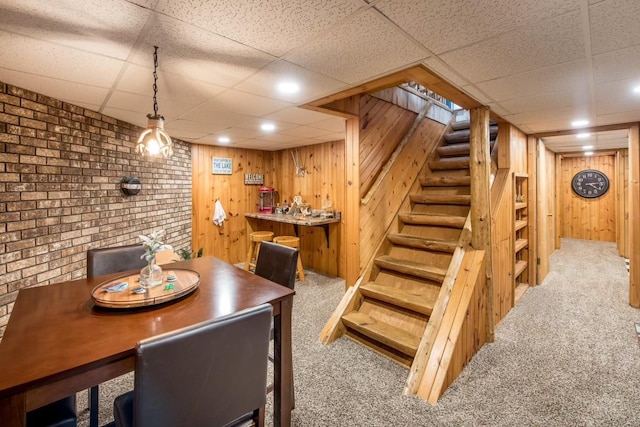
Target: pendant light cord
155,81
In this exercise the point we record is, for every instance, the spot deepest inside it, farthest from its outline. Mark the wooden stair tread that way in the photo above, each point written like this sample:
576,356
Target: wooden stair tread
450,163
383,332
441,199
457,149
462,135
520,224
411,268
417,242
445,181
409,300
433,219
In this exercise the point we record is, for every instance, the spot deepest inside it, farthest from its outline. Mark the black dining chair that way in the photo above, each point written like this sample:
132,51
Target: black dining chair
277,263
210,374
61,413
102,261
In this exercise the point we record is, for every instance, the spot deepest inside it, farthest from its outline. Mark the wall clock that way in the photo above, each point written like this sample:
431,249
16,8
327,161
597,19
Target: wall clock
590,183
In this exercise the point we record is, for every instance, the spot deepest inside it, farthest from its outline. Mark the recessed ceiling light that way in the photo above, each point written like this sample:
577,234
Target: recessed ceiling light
288,88
268,127
583,135
587,147
580,122
224,140
636,89
588,153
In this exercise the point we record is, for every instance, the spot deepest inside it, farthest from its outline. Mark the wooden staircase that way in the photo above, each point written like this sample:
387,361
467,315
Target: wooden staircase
390,309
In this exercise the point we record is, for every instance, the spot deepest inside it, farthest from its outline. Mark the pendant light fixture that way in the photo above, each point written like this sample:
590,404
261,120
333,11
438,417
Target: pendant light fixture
154,140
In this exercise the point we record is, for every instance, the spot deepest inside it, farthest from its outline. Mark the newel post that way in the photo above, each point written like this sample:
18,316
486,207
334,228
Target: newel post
480,165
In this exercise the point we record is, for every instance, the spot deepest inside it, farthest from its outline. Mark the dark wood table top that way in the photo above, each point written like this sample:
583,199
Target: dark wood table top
55,331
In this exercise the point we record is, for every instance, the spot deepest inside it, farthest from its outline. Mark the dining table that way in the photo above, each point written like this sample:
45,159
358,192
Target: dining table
58,341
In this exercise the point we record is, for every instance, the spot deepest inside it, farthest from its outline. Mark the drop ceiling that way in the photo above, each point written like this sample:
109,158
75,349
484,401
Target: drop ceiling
537,63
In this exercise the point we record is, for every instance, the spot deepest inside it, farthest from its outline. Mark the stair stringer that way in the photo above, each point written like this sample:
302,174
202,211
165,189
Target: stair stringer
419,365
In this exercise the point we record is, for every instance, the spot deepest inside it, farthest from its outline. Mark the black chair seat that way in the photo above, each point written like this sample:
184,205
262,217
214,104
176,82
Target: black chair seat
61,413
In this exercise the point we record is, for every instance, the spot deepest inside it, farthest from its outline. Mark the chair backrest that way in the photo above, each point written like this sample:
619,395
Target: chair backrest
277,263
114,260
205,375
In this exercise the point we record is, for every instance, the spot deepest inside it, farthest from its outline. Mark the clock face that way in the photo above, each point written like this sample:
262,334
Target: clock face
590,183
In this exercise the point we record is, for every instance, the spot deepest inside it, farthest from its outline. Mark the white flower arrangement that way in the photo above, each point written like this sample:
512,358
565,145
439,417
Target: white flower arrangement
152,245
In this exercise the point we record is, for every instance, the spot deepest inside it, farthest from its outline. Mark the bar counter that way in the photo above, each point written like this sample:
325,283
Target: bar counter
298,220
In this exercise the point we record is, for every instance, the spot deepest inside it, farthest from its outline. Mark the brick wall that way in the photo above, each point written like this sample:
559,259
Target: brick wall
60,172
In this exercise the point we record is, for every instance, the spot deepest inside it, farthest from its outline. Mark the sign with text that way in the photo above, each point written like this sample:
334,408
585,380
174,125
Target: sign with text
253,179
221,166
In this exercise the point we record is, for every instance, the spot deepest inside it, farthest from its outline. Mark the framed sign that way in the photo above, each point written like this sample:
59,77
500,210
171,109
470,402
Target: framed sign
253,179
221,166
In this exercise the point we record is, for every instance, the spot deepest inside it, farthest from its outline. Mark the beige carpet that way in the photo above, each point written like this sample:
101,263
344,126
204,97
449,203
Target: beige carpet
567,355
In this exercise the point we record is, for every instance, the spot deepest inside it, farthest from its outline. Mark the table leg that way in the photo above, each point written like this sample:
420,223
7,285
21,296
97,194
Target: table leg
13,410
283,365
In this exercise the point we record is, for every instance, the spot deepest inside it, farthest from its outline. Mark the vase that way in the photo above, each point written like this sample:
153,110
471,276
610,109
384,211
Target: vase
151,275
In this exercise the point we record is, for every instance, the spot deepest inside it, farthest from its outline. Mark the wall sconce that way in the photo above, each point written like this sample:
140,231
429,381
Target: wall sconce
154,139
130,185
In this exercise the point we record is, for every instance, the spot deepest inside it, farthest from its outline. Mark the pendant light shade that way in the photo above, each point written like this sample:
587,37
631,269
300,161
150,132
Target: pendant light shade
154,140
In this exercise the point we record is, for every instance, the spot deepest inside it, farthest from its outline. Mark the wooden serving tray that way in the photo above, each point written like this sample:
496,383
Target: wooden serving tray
186,282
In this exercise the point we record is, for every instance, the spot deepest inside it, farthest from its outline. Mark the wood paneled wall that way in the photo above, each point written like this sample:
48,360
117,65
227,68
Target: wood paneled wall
590,219
382,127
229,241
325,176
546,176
376,216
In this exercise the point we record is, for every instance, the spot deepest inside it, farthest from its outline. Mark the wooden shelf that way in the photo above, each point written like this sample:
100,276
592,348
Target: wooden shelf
519,291
520,244
520,266
520,224
521,205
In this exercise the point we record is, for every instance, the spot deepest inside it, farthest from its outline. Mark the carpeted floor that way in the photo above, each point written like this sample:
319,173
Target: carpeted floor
567,355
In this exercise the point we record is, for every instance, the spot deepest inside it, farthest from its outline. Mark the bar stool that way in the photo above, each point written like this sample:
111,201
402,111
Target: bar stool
254,246
292,242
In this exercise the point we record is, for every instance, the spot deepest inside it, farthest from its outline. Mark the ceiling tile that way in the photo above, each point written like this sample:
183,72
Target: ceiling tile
335,124
617,65
549,42
273,27
246,103
109,28
298,116
55,88
617,97
196,53
445,25
305,132
171,87
445,71
135,118
477,94
144,104
621,16
312,85
57,61
624,117
573,76
360,48
548,119
564,99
